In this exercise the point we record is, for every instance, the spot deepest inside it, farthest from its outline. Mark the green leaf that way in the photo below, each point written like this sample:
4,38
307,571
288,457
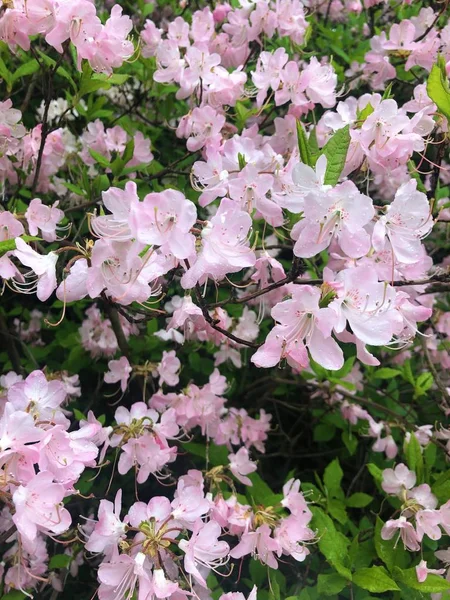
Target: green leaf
10,245
313,146
350,441
438,88
102,160
332,477
386,373
364,113
324,432
118,165
359,500
332,544
258,573
328,585
14,595
336,152
63,73
59,561
374,579
441,487
423,384
260,492
303,145
376,472
414,457
6,74
336,508
432,585
27,68
79,416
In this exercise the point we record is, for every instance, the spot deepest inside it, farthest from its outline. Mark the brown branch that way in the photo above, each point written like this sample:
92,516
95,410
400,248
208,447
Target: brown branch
116,325
45,128
213,322
290,278
7,534
10,345
437,379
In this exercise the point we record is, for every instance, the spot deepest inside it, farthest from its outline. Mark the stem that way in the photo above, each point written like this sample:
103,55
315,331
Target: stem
437,379
116,325
10,345
7,534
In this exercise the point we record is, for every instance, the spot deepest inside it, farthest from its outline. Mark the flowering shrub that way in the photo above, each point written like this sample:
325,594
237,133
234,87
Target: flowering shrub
225,317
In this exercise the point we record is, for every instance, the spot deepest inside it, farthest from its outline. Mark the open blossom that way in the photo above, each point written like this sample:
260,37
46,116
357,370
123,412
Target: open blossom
109,529
10,228
39,507
164,219
119,370
404,529
168,368
118,202
406,222
43,218
43,266
259,544
302,325
367,304
340,213
224,246
423,571
241,465
204,548
397,480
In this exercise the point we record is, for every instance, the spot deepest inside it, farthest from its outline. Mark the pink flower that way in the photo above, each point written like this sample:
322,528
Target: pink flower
260,545
395,481
291,533
151,38
119,370
407,221
66,455
10,228
109,529
427,522
45,218
319,82
293,498
43,266
122,574
189,504
168,368
202,127
17,428
225,247
423,571
118,202
406,532
37,396
239,595
251,189
241,465
204,548
165,218
74,287
367,304
169,62
39,507
268,72
303,326
340,213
